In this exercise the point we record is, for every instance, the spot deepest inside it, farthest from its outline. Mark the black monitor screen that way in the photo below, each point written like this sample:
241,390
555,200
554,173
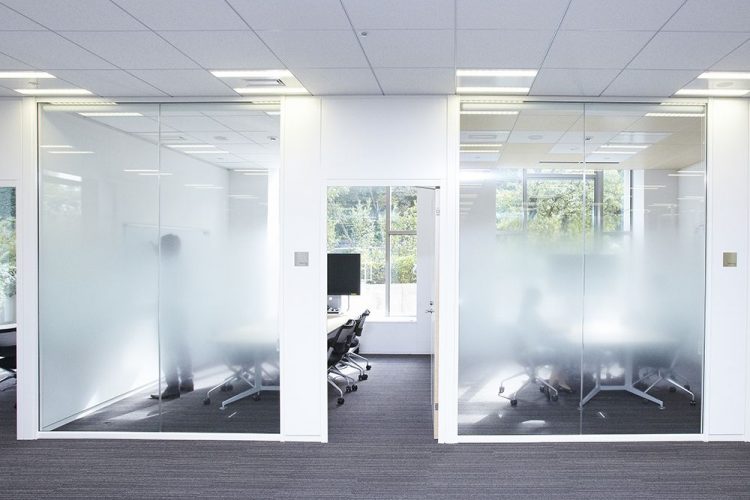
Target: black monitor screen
343,274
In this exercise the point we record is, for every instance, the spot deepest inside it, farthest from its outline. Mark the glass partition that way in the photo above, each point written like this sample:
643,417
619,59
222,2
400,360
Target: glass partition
582,236
158,268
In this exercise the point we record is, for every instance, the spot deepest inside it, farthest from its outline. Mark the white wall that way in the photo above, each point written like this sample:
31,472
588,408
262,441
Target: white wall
727,294
11,129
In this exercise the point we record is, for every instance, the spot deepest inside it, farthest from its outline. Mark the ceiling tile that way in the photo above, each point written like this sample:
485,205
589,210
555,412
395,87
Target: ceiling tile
572,82
711,15
633,15
330,81
109,83
316,49
10,20
6,92
286,15
681,50
510,14
184,82
7,62
132,49
649,83
76,15
184,14
46,50
224,49
416,80
409,48
595,49
502,49
738,60
400,14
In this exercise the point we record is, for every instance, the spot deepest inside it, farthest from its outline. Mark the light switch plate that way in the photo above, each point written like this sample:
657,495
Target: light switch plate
301,259
730,259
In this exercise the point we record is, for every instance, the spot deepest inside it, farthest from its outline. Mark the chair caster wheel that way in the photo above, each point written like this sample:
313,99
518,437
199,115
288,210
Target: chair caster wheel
672,389
340,401
207,401
513,402
687,387
354,388
256,396
360,377
692,403
555,397
501,390
368,367
365,377
348,389
541,388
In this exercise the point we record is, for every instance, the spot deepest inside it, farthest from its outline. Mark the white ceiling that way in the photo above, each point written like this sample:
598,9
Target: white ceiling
129,48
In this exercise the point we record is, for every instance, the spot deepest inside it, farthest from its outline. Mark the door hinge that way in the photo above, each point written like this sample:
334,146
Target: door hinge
436,407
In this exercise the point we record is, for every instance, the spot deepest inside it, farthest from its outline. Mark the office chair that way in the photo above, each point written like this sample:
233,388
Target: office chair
531,370
8,354
353,354
668,374
339,342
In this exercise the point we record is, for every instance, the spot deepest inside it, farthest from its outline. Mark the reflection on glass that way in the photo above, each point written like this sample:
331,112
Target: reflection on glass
7,255
403,274
582,271
158,268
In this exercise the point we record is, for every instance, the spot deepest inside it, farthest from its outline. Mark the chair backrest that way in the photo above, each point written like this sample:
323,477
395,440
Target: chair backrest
339,345
361,323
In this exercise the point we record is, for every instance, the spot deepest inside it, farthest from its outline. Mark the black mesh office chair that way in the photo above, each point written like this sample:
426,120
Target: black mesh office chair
339,342
353,355
7,355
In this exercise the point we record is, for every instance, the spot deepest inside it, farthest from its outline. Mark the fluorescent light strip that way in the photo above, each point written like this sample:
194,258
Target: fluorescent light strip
273,113
489,112
725,75
497,72
187,146
140,170
109,113
159,174
713,92
677,115
70,152
270,90
63,176
625,146
25,74
207,152
686,174
271,74
480,150
55,146
492,90
615,152
48,92
481,145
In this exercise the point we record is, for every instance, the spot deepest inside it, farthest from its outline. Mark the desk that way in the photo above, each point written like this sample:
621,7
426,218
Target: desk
333,321
8,335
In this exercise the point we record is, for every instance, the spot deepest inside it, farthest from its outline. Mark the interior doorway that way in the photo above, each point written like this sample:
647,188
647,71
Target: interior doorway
8,335
382,312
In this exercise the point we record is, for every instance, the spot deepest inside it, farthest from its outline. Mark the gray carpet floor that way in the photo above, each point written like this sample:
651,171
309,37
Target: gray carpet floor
381,447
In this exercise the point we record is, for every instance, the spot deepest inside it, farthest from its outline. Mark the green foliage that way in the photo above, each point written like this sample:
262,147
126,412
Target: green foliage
7,242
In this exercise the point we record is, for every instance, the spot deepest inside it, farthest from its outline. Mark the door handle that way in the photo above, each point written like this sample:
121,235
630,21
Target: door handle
430,310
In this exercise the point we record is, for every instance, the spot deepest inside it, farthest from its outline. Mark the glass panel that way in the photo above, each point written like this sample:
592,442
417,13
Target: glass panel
403,275
356,224
7,255
218,277
645,268
98,267
403,209
521,274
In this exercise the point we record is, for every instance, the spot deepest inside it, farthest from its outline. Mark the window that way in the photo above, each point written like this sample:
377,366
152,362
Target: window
7,255
380,223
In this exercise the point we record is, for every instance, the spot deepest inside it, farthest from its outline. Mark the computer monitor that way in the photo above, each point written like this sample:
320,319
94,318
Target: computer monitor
343,274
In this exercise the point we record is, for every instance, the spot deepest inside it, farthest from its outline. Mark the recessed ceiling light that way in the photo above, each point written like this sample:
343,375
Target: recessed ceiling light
273,113
497,72
47,92
187,146
725,75
25,74
486,151
713,92
677,115
270,74
56,146
493,90
270,90
489,112
624,146
207,152
109,113
140,170
70,152
481,145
